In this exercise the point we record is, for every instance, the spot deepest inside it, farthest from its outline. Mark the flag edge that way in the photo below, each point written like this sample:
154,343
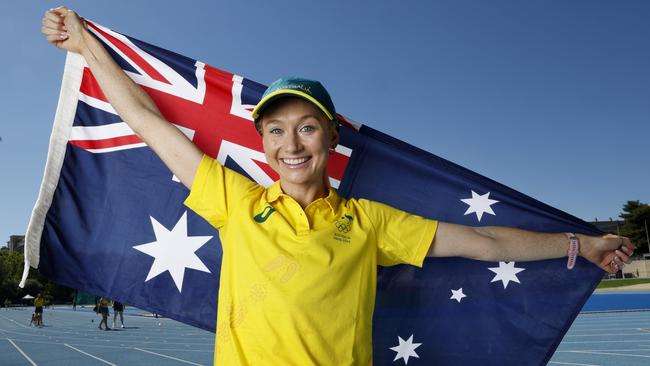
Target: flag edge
63,120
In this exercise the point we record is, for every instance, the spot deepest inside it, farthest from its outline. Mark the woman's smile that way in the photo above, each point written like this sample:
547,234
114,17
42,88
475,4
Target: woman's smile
295,163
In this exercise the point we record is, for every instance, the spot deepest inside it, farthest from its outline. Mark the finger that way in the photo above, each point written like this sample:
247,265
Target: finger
51,15
622,256
52,24
57,35
627,250
618,261
49,30
53,38
56,38
627,243
611,267
626,259
60,10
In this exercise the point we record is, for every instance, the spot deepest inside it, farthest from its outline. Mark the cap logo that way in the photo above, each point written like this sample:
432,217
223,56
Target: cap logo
304,88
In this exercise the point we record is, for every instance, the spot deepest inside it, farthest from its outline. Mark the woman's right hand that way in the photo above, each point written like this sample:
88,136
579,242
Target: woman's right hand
63,28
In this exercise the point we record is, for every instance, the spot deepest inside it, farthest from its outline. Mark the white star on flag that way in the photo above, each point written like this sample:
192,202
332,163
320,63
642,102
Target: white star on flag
479,204
405,349
457,294
506,272
174,251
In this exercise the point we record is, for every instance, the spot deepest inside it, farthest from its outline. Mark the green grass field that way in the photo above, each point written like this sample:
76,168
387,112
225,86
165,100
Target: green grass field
622,282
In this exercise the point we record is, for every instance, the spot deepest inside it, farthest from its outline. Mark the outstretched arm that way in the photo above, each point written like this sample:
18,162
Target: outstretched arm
492,243
65,29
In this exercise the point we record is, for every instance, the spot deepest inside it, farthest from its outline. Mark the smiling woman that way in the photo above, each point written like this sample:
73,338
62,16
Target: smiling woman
299,267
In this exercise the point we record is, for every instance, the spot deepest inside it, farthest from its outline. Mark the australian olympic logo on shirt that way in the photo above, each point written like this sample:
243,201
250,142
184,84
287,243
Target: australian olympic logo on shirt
343,226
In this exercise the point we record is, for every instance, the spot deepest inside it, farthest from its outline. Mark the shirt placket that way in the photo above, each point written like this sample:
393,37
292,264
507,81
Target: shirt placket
301,219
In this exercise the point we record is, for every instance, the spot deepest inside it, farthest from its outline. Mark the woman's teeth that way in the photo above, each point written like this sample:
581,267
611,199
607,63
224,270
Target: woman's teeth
295,161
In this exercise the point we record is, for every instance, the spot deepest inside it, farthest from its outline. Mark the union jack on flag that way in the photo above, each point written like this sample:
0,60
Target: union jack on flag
106,197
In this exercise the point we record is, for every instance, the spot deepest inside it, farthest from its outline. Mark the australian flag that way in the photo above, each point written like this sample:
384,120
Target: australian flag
110,219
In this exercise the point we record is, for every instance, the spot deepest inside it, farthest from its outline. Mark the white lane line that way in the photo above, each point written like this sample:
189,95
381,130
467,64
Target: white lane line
21,352
80,336
89,355
118,347
170,357
83,338
608,354
15,322
572,363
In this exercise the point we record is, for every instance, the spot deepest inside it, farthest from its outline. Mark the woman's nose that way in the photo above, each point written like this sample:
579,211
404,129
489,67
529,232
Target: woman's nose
292,142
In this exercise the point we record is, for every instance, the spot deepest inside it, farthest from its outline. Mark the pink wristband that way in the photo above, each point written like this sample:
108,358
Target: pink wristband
574,249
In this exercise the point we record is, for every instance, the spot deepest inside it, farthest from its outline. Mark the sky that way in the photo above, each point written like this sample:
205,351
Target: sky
551,98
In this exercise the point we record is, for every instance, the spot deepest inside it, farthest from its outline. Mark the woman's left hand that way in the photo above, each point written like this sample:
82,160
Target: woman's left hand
609,252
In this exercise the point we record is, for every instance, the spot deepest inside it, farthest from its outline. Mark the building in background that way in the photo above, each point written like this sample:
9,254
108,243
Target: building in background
16,243
611,226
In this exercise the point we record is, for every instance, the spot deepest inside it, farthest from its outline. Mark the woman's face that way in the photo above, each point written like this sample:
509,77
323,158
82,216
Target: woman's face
297,137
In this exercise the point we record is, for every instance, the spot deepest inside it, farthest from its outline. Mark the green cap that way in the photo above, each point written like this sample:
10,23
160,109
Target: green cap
310,90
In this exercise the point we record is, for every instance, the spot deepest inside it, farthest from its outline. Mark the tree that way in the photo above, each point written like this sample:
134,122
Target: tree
11,264
11,271
33,287
636,216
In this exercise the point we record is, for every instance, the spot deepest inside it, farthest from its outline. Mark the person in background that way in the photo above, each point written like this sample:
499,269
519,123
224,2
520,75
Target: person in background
102,308
39,301
118,309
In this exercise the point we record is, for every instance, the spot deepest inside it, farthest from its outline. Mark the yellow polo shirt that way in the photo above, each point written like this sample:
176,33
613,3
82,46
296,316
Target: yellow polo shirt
297,287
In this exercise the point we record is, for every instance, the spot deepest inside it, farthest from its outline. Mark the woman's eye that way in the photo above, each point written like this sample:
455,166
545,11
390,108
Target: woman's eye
275,131
307,129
